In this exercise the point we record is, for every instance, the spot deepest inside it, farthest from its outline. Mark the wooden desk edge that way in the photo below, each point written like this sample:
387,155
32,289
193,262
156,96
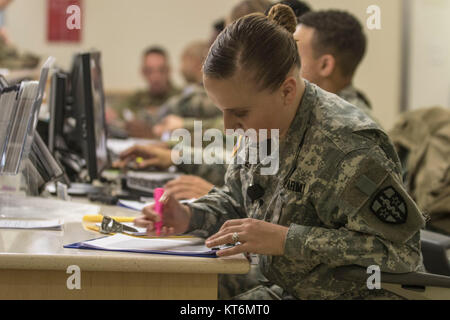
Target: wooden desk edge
125,263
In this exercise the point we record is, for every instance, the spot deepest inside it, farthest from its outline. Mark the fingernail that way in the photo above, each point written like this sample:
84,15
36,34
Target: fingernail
163,197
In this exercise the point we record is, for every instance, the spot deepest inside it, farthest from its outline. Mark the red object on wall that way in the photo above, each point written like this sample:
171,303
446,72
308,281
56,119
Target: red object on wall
61,25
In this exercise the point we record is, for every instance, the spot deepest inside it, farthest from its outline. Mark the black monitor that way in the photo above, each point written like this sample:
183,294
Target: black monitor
57,104
77,128
89,110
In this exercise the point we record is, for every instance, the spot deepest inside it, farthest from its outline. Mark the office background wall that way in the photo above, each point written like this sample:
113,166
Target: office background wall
122,29
429,59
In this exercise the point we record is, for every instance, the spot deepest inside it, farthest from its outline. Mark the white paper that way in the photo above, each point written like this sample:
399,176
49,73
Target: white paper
31,224
139,206
124,242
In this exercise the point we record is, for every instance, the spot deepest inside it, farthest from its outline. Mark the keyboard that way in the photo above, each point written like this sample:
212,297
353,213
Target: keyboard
148,181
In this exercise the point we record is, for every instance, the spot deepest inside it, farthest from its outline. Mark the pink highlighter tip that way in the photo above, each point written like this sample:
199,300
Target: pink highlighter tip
157,194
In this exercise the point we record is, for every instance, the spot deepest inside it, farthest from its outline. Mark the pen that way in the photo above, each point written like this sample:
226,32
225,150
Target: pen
159,196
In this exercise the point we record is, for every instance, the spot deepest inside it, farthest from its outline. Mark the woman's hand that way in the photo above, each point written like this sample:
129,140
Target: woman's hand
176,218
151,156
188,187
255,236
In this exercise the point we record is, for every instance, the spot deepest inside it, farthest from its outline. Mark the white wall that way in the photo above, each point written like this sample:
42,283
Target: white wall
121,29
429,82
379,75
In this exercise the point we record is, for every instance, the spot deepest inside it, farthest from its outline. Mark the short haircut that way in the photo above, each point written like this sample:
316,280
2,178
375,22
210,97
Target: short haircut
155,50
338,33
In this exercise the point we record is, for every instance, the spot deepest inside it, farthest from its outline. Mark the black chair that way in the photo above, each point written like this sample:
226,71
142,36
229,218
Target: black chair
434,285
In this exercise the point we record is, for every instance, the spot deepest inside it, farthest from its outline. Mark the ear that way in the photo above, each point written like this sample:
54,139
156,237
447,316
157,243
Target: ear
327,65
289,90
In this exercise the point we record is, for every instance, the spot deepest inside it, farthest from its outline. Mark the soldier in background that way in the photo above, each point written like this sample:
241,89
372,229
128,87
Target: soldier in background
193,103
139,110
332,45
246,7
422,139
337,198
10,57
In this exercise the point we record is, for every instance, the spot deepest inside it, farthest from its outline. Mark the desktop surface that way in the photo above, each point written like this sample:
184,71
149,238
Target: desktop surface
28,256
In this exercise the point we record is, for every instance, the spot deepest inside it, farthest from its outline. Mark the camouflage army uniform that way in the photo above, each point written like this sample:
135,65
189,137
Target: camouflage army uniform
141,100
356,98
11,59
422,138
193,104
338,190
214,174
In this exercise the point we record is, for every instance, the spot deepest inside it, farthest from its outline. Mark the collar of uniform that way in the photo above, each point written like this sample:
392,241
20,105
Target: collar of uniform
299,125
348,91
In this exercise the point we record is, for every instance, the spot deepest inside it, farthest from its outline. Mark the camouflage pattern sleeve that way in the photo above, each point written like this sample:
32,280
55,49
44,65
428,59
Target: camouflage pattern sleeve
220,205
214,174
368,218
10,58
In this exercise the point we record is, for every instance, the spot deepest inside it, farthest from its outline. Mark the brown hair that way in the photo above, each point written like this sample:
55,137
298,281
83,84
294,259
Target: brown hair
263,46
340,34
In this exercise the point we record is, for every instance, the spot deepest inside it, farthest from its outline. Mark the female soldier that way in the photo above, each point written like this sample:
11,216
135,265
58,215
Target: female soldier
337,198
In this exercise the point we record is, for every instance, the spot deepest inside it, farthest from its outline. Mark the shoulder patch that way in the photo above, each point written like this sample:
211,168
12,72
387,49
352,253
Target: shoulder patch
389,206
381,204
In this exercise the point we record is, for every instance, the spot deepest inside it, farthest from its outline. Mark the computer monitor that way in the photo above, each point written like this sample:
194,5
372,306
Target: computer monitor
89,108
57,105
77,128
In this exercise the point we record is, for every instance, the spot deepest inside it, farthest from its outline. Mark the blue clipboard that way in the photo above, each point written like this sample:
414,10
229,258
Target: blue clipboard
206,254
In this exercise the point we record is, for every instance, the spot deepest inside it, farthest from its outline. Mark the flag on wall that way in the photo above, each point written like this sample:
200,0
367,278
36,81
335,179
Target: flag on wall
64,20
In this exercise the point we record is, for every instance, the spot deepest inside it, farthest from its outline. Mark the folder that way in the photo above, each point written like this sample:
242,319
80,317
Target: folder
193,247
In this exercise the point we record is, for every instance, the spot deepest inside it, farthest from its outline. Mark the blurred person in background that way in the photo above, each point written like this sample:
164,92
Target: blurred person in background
140,109
10,57
332,45
246,7
193,103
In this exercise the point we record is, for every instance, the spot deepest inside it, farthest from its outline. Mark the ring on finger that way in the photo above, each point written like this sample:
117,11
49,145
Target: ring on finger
235,238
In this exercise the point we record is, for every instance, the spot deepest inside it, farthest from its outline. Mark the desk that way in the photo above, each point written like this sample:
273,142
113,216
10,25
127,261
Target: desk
33,265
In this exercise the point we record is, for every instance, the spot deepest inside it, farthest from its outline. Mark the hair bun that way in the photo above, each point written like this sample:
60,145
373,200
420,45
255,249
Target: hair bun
284,16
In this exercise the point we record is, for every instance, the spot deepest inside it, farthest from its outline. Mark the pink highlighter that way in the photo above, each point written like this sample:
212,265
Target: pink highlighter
157,194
